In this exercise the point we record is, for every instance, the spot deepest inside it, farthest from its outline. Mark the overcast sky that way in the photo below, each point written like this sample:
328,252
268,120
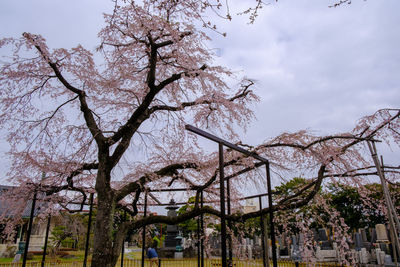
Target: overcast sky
316,67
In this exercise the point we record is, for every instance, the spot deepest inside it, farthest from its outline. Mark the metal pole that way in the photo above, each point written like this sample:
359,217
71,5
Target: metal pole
222,203
266,241
88,229
47,231
395,216
202,231
228,195
198,243
271,217
28,237
123,245
392,231
223,142
144,229
262,233
45,240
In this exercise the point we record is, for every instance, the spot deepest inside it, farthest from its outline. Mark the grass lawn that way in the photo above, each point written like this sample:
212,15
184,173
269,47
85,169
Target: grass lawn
73,256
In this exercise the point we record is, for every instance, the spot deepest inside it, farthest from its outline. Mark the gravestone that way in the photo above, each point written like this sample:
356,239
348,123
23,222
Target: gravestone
323,239
294,241
373,236
322,236
17,258
363,235
20,251
381,233
380,256
284,251
384,247
296,255
301,239
364,257
358,240
326,255
250,251
365,243
215,242
388,260
283,246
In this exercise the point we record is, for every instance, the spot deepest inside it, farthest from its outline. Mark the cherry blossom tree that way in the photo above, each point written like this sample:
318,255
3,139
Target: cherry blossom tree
115,126
75,120
341,159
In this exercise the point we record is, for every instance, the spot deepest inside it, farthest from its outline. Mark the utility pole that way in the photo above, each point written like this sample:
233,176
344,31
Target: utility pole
394,224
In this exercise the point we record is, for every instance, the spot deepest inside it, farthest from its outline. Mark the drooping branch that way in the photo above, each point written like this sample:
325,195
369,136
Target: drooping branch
135,201
299,198
81,204
317,141
285,204
196,211
119,239
202,101
69,179
87,113
370,135
244,91
169,170
53,114
174,220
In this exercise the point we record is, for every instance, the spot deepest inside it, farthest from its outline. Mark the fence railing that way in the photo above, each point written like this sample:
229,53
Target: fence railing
177,263
47,264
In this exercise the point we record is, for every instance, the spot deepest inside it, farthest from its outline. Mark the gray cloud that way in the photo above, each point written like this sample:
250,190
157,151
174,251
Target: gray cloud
318,67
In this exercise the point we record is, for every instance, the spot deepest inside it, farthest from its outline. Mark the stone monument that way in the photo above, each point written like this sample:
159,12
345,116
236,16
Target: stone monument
358,241
323,239
172,242
381,233
295,250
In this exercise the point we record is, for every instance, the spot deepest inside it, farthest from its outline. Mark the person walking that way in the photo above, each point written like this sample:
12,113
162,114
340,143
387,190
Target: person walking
153,256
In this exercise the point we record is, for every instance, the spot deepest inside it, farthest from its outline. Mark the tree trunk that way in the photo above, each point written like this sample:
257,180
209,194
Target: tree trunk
103,255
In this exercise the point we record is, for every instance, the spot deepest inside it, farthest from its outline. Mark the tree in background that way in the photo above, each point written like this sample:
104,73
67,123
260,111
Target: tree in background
352,207
59,235
189,227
